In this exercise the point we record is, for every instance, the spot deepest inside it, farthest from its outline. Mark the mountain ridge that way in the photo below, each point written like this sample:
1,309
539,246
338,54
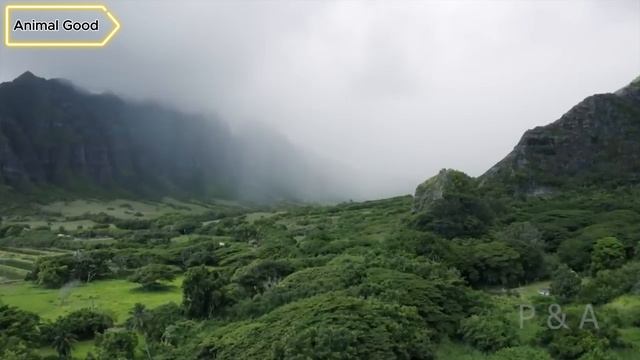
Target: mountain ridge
596,142
55,134
596,138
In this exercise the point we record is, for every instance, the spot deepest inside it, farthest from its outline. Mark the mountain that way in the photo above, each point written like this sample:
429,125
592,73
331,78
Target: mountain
55,135
596,142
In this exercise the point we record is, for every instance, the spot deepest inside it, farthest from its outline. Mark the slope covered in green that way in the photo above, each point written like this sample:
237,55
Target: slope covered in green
357,280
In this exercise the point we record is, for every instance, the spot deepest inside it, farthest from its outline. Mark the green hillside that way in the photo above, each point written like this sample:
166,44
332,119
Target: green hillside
356,280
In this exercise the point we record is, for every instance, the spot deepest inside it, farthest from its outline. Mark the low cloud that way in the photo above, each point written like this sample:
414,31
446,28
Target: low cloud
393,91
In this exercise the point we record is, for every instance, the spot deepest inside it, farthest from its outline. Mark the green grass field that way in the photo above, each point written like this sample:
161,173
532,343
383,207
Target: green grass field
114,296
15,263
529,291
12,273
118,208
64,214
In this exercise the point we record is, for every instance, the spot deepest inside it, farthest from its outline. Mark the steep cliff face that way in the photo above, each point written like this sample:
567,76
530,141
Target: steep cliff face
596,142
54,134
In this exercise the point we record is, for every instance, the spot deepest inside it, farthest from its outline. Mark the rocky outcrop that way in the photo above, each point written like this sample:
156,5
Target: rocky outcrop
596,142
448,181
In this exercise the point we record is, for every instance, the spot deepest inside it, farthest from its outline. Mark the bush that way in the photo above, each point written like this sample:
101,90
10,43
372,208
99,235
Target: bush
116,344
609,284
520,353
18,323
83,323
132,224
572,342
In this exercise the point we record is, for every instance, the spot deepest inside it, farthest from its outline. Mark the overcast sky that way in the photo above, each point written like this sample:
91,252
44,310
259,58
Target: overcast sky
395,90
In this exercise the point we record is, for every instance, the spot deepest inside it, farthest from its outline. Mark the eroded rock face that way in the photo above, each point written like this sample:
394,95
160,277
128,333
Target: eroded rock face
10,164
597,141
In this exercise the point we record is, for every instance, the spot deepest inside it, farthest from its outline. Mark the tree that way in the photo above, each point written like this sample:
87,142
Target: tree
138,322
18,323
151,275
245,232
63,343
259,275
333,326
52,272
490,263
488,332
177,332
565,284
608,253
200,254
187,226
576,252
91,265
525,238
13,348
55,271
156,320
202,292
320,343
138,317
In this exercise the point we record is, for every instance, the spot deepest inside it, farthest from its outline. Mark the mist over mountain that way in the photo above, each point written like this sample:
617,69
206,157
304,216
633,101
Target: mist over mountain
396,91
54,134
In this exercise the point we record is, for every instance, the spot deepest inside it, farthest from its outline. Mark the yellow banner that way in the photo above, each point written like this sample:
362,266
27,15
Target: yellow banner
54,25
